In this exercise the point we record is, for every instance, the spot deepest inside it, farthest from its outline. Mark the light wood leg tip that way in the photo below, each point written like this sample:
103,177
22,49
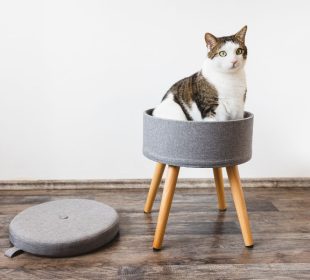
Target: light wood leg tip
250,246
156,249
147,212
219,184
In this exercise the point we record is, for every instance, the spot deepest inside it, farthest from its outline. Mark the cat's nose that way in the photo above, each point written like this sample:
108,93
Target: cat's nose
234,62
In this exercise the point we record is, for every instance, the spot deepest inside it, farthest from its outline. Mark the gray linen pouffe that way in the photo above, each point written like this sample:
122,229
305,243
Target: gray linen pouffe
63,228
197,143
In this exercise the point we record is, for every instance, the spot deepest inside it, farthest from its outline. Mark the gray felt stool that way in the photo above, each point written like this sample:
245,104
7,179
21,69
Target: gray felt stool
63,228
197,144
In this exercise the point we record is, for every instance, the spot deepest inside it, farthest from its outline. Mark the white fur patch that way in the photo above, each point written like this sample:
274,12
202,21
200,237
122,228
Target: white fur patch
194,112
169,109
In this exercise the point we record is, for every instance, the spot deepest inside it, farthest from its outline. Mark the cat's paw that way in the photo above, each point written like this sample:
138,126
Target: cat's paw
209,119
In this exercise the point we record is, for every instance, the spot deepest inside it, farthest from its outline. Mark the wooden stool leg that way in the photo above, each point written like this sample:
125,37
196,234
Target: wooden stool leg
165,205
237,193
158,174
219,184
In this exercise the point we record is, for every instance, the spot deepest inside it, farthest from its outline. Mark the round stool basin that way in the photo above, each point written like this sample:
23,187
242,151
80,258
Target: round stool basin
197,143
63,228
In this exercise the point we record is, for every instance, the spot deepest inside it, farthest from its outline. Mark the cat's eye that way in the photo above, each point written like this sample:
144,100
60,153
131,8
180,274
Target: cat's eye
222,53
239,51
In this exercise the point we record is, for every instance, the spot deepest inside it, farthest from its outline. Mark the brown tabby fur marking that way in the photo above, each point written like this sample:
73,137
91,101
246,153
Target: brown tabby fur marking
195,88
215,43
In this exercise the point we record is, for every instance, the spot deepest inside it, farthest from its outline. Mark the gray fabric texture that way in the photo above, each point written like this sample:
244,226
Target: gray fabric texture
197,144
63,228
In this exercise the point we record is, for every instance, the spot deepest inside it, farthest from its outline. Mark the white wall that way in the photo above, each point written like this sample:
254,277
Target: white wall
75,77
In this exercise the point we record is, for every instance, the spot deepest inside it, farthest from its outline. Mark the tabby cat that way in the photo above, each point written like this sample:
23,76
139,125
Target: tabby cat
218,91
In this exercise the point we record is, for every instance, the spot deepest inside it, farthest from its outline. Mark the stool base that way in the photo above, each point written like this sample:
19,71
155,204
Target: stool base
169,189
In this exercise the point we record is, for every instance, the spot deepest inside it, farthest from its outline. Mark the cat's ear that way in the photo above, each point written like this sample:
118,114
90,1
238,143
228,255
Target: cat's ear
240,36
211,40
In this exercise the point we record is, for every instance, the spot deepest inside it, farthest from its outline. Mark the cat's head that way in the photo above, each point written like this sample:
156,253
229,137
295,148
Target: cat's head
227,54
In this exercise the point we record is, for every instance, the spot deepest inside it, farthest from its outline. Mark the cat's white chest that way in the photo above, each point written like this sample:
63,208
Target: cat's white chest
231,92
231,103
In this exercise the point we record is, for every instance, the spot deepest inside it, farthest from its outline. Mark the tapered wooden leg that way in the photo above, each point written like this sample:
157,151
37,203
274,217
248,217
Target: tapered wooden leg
238,197
219,184
166,201
158,174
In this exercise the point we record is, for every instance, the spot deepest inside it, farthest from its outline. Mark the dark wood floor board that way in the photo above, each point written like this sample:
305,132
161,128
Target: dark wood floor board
136,272
200,241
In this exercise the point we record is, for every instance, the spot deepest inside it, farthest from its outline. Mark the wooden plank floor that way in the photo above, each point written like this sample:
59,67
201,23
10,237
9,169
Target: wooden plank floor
200,242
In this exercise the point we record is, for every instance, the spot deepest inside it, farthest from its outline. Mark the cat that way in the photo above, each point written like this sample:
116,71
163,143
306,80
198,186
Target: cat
218,91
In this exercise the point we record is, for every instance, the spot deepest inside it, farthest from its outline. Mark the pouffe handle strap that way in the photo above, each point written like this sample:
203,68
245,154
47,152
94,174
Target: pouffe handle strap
12,252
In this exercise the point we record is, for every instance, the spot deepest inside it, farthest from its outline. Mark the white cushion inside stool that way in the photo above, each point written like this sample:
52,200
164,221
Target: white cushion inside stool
63,228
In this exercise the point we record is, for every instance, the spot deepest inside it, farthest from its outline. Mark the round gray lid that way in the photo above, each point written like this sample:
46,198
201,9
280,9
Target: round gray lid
64,227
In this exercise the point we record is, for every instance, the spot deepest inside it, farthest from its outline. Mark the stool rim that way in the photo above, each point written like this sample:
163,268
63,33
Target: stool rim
247,115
